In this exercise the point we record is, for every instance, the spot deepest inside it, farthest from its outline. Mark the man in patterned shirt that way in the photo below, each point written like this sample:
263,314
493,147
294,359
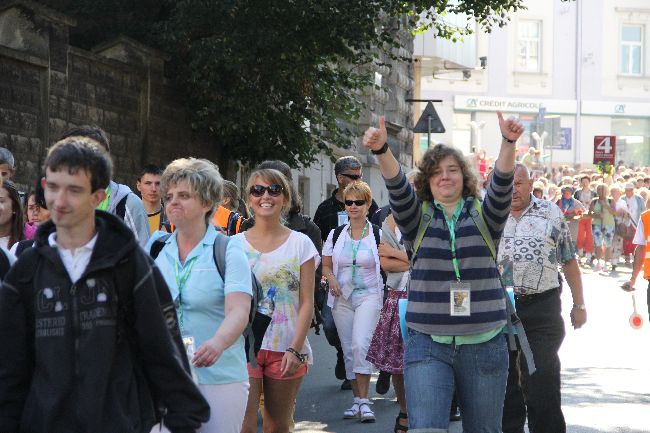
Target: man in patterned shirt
535,242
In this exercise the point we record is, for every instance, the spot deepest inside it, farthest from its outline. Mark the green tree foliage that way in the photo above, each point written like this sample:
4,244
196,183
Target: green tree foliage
274,79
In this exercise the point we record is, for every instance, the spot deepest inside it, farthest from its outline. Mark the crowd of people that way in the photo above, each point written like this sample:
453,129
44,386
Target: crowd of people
188,307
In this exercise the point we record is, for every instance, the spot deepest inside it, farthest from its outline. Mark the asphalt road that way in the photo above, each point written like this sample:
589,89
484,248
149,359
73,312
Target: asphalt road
605,372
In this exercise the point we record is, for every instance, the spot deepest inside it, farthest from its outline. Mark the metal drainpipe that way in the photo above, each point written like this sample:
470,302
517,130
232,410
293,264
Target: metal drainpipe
577,144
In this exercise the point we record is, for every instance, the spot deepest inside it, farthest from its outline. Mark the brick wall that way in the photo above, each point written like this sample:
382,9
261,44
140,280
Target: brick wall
48,86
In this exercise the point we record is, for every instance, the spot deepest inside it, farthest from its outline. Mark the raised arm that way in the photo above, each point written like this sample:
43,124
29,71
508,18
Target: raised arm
376,140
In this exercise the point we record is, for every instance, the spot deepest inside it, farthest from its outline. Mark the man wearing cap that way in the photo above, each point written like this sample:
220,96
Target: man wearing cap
534,243
635,207
329,215
635,203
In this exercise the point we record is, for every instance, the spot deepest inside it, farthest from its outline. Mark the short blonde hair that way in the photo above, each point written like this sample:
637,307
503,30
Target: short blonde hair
360,189
202,176
271,176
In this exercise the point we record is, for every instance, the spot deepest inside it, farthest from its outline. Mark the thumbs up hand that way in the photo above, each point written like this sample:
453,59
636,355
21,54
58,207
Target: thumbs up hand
374,138
511,128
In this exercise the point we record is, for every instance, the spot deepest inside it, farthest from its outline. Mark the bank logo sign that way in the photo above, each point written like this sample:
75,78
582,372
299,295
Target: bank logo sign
486,103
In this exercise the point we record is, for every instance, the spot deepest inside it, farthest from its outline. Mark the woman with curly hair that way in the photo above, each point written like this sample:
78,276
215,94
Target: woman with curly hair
456,304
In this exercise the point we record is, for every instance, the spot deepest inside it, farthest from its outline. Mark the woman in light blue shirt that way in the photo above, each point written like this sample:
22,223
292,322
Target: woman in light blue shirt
212,313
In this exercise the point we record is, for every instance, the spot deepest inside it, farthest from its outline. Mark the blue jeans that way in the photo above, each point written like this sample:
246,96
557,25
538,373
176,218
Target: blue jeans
432,371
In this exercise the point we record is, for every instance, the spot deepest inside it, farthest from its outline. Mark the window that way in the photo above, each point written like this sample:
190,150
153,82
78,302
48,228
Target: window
631,49
529,46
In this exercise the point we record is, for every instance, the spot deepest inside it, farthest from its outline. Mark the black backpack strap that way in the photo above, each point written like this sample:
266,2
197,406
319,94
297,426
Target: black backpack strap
220,246
337,233
23,245
120,209
4,265
158,245
375,233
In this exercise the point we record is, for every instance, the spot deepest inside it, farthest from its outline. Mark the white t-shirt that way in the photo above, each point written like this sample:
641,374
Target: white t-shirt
280,268
367,279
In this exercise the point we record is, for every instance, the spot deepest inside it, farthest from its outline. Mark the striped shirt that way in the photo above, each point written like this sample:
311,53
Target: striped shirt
433,272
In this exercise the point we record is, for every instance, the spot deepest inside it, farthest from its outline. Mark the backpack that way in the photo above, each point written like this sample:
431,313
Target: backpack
513,322
23,245
257,322
234,220
120,209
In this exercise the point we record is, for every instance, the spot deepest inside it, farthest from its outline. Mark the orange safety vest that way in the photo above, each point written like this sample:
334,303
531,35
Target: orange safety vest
222,219
645,218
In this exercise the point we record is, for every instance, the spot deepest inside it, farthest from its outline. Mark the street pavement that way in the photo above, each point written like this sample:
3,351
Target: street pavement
605,371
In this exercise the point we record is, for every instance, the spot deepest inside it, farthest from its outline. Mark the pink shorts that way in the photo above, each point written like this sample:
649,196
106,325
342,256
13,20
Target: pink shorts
269,364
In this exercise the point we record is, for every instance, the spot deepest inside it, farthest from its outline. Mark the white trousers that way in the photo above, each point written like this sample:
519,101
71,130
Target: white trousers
355,321
227,408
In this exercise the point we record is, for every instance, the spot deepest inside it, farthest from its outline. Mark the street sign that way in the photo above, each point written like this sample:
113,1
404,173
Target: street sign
605,149
429,122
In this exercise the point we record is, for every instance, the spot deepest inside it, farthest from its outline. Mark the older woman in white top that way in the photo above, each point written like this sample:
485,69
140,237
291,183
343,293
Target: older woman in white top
351,265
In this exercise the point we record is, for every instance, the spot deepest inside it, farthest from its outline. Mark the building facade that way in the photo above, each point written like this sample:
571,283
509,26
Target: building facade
569,70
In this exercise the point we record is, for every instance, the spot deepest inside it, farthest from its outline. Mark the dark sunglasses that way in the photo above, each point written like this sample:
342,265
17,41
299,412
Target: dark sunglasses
352,176
273,190
356,202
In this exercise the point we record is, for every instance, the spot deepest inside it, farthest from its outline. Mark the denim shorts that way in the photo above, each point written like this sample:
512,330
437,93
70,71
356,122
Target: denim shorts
478,373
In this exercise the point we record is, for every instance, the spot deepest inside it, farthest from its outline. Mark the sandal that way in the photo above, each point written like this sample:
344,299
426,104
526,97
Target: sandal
399,427
365,413
353,412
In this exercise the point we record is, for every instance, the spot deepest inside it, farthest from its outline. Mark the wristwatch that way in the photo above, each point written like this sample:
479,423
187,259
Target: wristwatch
580,307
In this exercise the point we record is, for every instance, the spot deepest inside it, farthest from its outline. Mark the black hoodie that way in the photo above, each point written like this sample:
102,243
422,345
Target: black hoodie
75,360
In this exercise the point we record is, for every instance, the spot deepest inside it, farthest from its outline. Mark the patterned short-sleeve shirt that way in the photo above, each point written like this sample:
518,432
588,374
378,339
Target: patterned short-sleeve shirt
533,247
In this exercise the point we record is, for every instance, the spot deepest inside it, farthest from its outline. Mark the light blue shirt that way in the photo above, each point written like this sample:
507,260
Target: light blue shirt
204,296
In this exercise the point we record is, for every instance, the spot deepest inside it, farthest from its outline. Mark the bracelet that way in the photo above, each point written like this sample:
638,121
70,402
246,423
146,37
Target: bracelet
582,307
383,149
302,358
508,140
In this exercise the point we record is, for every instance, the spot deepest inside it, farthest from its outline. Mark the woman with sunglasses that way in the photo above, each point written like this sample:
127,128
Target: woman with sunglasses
351,265
212,313
284,262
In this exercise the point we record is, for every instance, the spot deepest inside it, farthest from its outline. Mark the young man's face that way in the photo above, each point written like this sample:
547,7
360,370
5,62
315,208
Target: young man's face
149,187
69,197
6,172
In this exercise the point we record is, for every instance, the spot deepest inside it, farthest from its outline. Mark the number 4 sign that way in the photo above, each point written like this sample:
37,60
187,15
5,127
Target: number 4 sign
604,148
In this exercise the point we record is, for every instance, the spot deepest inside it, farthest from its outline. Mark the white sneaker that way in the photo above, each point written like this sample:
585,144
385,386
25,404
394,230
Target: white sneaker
365,413
354,411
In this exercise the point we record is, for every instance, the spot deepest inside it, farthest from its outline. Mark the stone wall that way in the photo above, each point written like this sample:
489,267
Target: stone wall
48,86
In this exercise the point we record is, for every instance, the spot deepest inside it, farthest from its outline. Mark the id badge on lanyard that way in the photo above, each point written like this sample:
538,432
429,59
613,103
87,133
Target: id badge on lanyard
342,217
190,349
460,298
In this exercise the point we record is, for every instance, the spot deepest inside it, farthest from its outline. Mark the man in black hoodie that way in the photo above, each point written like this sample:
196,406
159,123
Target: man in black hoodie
90,347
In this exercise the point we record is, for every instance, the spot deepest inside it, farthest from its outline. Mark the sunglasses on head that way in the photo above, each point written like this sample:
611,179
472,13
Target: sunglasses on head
273,190
355,202
352,176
